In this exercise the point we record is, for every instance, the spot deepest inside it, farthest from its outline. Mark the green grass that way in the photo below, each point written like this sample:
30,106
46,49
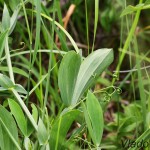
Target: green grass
55,95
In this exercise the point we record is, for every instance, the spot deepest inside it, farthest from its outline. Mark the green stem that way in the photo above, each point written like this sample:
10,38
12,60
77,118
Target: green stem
27,22
49,67
58,25
87,26
9,61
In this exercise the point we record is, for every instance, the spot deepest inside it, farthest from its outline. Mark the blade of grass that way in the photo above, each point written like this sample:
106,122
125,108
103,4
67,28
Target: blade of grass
140,84
128,40
49,67
95,21
38,26
2,41
87,26
27,22
143,137
32,51
67,34
9,61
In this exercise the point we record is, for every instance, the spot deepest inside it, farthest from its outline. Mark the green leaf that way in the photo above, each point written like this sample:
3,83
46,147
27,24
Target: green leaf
13,19
8,131
5,82
60,129
15,70
7,21
42,133
91,67
19,88
74,79
67,75
30,127
147,2
5,18
2,41
34,112
130,9
96,20
18,115
13,4
27,144
38,27
94,118
128,124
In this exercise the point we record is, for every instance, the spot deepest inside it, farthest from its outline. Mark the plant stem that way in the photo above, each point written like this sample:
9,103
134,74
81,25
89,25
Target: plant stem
49,68
9,60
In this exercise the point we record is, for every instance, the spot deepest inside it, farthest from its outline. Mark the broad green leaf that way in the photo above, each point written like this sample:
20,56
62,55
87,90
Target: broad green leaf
130,9
67,75
13,20
95,120
15,70
60,129
88,122
13,4
2,41
5,18
5,82
7,21
18,115
19,88
8,131
42,133
147,2
91,67
2,89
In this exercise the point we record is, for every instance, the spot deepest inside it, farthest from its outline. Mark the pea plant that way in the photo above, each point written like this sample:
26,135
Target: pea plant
58,90
21,129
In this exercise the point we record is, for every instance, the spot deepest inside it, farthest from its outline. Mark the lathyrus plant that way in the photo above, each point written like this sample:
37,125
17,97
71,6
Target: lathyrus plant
76,75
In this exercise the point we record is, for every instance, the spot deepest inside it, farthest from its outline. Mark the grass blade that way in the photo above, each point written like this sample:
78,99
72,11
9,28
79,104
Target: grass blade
95,21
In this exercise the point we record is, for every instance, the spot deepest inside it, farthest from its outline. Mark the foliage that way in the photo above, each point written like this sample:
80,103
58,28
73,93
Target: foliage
59,89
